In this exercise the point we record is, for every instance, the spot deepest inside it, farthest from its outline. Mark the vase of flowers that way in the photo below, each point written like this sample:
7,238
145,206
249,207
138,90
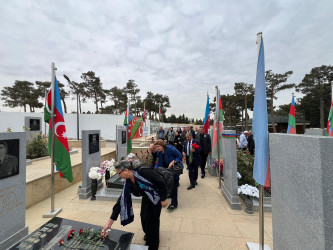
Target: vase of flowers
108,168
248,192
215,165
95,174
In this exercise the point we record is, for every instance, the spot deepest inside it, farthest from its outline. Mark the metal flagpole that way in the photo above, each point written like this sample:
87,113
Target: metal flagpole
332,90
53,212
218,134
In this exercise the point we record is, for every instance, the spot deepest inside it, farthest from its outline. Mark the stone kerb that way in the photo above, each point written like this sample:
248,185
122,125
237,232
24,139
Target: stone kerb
89,161
230,186
12,190
302,191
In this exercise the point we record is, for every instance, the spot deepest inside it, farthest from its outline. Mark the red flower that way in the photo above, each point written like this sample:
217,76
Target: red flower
81,231
61,242
195,146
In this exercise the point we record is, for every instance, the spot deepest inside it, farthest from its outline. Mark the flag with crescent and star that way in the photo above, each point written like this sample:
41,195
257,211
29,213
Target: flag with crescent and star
61,150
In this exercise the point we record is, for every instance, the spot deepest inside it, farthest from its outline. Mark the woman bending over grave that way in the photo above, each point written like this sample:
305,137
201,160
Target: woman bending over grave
150,185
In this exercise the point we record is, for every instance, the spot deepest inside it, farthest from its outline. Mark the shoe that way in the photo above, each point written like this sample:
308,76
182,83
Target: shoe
190,187
145,238
171,207
196,183
202,176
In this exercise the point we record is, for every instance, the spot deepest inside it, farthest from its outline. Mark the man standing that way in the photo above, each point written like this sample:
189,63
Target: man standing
250,143
171,136
192,166
8,163
243,140
189,128
160,134
206,148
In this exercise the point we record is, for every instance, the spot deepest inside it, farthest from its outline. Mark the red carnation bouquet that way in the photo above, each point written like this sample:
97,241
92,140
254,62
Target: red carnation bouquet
194,146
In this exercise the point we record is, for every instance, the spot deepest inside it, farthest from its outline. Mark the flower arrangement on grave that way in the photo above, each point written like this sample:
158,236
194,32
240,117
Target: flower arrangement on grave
239,176
245,164
194,146
249,191
216,164
108,166
145,157
95,173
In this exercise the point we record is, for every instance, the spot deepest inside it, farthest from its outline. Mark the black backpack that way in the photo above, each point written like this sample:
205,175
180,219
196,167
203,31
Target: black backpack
167,175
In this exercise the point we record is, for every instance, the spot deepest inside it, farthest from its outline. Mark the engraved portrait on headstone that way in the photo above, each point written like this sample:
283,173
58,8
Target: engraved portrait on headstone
93,143
9,158
123,137
34,124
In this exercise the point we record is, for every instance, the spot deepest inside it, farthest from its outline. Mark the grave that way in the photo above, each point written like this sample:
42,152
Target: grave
121,141
33,123
49,235
302,191
12,188
230,186
91,157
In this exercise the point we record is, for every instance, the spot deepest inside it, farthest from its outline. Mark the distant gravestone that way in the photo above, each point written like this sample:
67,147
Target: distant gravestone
302,191
33,123
315,131
12,188
91,157
229,189
121,142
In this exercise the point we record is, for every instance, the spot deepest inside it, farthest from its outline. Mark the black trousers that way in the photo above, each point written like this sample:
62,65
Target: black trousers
192,171
150,221
203,163
174,192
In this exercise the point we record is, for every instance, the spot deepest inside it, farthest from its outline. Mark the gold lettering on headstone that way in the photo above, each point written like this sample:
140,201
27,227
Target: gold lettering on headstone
9,198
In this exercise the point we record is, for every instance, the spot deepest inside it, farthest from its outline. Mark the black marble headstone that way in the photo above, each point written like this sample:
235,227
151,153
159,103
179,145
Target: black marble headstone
115,182
49,235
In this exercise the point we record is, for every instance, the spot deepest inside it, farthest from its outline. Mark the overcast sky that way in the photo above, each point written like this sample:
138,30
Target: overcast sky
177,48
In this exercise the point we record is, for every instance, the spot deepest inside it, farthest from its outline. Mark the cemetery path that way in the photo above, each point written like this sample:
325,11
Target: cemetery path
203,219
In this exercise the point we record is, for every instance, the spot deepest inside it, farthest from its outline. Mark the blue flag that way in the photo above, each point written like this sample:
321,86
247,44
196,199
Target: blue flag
260,124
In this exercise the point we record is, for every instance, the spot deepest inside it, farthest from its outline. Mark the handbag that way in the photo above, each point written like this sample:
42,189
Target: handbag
177,168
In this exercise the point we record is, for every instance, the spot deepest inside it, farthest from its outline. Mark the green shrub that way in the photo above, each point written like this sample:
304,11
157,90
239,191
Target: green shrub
245,163
37,147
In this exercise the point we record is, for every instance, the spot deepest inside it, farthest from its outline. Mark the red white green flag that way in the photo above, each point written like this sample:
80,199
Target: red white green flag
292,118
330,122
218,127
60,148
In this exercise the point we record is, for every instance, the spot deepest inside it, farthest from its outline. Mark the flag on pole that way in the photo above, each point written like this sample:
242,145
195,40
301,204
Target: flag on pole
330,122
160,111
60,149
292,118
207,117
218,123
260,124
126,119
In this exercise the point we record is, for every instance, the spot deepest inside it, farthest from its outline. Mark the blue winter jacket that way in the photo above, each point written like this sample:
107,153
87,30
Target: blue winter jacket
171,153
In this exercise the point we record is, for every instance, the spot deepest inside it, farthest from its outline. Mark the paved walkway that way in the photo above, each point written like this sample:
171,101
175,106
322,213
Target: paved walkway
203,219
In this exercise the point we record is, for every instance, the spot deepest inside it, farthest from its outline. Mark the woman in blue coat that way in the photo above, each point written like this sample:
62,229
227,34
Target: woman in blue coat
167,156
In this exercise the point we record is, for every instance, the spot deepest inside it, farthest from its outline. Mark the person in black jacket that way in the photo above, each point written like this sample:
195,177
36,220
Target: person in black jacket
250,143
150,185
206,149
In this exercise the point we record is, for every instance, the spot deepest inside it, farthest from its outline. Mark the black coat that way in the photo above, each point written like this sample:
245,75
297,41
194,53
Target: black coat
196,153
206,145
250,143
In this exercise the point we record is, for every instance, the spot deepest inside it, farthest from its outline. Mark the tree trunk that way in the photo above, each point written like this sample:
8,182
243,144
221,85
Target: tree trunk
272,112
80,104
246,120
242,120
64,103
321,106
25,108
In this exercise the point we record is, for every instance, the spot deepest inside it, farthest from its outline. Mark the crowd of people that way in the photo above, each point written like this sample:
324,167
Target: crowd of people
171,148
246,142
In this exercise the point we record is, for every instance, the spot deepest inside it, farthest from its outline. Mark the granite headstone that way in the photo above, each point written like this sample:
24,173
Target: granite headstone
229,189
89,160
33,123
302,191
315,131
121,142
211,170
12,188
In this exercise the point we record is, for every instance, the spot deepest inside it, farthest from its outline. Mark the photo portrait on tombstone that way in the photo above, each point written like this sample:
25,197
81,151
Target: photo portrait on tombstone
123,137
9,155
34,124
93,143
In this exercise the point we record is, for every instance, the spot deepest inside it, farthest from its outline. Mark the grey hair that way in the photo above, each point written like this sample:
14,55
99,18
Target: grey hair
130,165
189,134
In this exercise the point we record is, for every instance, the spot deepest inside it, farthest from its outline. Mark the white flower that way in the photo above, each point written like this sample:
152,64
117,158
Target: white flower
94,173
239,175
248,190
130,156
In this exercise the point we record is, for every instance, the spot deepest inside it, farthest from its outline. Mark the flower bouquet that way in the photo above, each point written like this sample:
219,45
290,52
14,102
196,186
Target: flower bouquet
194,146
248,191
107,167
95,173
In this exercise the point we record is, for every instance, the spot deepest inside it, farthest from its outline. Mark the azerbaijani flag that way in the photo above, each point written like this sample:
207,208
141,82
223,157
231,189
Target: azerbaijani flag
218,127
261,171
330,122
126,119
134,124
207,116
144,113
60,148
160,112
292,118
